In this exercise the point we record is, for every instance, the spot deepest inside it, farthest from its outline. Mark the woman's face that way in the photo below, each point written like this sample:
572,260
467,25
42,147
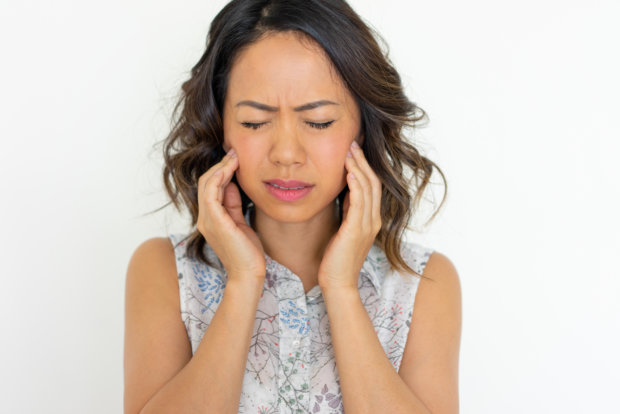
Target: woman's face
289,117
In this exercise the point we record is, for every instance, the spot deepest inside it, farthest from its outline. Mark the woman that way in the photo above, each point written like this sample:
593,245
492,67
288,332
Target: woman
295,291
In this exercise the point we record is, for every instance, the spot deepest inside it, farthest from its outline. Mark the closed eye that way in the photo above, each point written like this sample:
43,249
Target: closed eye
319,125
252,125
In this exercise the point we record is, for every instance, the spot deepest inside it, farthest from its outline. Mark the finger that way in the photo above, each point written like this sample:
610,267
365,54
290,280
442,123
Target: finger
228,170
211,171
232,203
213,207
355,198
214,185
214,212
365,190
375,183
362,162
224,165
211,187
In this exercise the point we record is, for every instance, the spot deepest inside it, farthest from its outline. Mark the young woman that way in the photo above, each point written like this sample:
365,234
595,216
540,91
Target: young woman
295,291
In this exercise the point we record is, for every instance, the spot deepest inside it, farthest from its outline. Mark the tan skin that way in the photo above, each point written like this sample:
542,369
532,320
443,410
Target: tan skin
298,144
159,367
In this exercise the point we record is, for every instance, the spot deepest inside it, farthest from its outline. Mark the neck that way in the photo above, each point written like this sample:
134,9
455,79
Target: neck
298,246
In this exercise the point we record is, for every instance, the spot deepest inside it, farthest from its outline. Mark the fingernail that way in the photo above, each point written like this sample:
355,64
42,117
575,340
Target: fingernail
355,144
349,155
232,152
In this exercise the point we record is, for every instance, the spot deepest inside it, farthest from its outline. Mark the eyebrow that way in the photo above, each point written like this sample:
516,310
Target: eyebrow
304,107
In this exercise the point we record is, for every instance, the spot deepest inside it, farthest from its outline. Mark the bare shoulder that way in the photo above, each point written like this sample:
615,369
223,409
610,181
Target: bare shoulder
156,254
441,269
155,245
152,271
431,356
156,342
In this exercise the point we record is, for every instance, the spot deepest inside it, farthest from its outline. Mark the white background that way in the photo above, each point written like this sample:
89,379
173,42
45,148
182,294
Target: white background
523,102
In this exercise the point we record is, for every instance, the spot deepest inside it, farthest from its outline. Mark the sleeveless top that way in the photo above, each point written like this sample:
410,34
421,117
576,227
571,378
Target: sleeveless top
291,366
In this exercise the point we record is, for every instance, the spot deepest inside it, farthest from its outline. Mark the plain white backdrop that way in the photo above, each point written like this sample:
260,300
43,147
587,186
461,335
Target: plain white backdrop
523,103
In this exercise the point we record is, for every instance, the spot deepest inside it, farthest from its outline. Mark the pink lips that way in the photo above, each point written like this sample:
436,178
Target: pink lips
288,190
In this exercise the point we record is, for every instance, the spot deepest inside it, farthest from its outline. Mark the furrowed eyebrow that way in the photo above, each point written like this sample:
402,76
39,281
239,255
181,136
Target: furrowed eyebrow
304,107
313,105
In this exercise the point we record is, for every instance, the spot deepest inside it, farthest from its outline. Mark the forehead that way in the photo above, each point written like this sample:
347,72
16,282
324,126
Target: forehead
286,64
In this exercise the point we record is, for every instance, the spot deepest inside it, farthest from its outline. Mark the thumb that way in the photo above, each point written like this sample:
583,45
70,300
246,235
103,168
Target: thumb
232,203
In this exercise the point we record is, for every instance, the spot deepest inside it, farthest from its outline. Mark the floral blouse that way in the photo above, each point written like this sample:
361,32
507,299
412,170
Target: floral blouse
291,366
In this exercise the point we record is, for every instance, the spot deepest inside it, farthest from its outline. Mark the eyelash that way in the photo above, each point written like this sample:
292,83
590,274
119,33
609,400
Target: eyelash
317,125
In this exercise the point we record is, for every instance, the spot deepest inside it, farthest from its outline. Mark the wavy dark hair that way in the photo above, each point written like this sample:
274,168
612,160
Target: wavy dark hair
195,141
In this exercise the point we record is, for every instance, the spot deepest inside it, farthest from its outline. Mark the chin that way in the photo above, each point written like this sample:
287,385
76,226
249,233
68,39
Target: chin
291,213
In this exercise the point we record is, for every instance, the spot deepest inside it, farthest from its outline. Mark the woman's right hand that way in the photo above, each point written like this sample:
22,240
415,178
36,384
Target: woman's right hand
222,224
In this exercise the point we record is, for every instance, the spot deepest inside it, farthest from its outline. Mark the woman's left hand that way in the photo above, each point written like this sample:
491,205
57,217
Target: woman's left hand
348,248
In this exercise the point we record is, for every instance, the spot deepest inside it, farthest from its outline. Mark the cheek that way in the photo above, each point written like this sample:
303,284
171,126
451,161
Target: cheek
246,148
330,160
333,152
249,164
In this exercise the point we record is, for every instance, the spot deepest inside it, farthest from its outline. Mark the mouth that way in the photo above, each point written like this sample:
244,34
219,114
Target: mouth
288,190
288,184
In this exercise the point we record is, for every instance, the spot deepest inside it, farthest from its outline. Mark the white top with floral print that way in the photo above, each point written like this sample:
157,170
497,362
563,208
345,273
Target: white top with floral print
291,366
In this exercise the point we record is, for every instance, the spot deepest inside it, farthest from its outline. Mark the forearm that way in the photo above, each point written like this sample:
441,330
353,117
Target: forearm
368,381
211,381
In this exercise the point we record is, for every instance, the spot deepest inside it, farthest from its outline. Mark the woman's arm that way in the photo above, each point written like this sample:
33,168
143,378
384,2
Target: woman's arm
161,376
428,377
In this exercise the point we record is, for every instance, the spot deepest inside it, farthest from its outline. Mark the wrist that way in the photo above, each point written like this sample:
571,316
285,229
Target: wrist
337,284
339,297
332,289
245,287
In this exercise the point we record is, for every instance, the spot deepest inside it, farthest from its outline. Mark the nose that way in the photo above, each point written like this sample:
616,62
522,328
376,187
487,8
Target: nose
287,148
